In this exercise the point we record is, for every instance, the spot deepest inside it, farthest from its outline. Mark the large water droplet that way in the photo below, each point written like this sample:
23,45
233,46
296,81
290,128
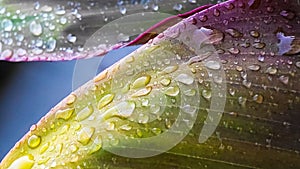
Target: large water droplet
141,82
254,34
34,141
64,114
7,25
214,65
288,14
71,38
123,109
143,92
105,100
24,162
170,69
85,135
84,113
185,79
165,82
172,91
36,28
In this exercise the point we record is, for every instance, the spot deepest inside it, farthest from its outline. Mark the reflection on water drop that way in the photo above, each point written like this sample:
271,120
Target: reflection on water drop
34,141
36,28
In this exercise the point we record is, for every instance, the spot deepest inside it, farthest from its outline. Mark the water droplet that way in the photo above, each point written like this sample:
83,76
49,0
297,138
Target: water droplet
141,82
34,141
177,7
143,119
271,71
156,131
36,28
46,8
7,25
73,148
143,92
234,33
254,34
258,45
165,82
85,113
123,109
242,101
6,54
24,162
288,45
214,65
105,100
100,77
50,44
190,92
192,1
203,18
216,12
85,135
261,58
110,126
155,7
206,94
172,91
44,148
297,64
71,99
270,9
231,92
155,109
96,146
185,79
123,37
239,68
254,67
258,98
246,83
288,14
234,51
123,10
71,38
284,79
170,69
64,114
125,127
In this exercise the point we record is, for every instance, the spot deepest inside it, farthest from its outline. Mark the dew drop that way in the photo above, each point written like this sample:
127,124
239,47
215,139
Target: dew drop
246,83
85,135
297,64
143,92
100,77
123,10
123,37
64,114
206,94
155,7
216,12
165,82
24,162
172,91
258,45
177,7
85,113
254,34
71,99
6,54
50,44
44,148
192,1
190,92
35,28
284,79
231,92
123,109
288,14
34,141
261,58
105,100
185,79
96,146
234,51
242,101
141,82
125,127
214,65
7,25
170,69
271,71
258,98
143,119
71,38
254,67
234,33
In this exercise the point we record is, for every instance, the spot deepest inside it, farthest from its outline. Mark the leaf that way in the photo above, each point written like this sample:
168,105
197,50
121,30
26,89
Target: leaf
59,30
226,54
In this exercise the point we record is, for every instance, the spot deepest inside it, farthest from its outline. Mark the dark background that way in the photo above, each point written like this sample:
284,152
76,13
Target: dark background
29,90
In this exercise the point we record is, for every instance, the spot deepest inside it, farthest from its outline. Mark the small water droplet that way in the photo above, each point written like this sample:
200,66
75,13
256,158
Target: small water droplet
231,92
123,37
172,91
284,79
71,99
71,38
271,70
73,148
206,94
234,51
143,119
190,92
85,135
216,12
123,109
297,64
214,65
6,54
155,7
258,98
125,127
36,28
141,82
156,131
203,18
64,114
254,34
165,82
123,10
242,101
100,77
261,58
96,146
258,45
50,44
234,33
246,83
288,14
34,141
177,7
192,1
105,100
44,148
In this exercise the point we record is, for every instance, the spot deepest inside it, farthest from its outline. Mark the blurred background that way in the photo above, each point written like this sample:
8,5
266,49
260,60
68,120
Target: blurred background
29,90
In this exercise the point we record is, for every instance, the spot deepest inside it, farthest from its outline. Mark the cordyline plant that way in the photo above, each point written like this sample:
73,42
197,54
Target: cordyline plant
216,87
